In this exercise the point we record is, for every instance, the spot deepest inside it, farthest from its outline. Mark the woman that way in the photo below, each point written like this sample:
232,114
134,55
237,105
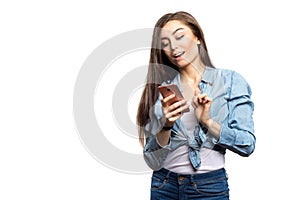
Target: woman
186,149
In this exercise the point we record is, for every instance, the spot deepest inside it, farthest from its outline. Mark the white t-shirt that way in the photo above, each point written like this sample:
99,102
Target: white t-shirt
178,160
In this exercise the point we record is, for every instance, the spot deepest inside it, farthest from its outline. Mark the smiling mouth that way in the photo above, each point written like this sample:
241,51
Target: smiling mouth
178,54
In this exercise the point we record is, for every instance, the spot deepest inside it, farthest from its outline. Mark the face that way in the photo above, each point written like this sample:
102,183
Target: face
179,44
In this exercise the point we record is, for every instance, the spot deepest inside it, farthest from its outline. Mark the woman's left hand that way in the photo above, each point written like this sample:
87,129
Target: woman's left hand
201,104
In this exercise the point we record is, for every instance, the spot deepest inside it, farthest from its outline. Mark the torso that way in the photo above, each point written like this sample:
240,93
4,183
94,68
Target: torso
189,90
178,160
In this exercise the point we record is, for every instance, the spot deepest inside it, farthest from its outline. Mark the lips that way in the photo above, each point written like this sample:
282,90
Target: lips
178,54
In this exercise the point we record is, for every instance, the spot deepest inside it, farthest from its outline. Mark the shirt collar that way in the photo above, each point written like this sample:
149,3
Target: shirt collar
209,74
208,77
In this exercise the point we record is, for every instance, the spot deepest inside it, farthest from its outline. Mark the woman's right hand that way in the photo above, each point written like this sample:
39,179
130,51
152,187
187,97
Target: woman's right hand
172,112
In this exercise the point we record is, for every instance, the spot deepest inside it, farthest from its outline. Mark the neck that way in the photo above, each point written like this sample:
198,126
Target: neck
192,73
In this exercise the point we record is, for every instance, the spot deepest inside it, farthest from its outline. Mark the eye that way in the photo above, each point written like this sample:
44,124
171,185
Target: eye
179,37
164,45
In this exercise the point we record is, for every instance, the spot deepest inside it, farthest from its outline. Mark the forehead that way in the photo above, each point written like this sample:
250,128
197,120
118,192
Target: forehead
173,25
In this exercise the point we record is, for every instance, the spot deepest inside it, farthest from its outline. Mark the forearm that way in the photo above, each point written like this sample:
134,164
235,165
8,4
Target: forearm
154,153
213,127
163,137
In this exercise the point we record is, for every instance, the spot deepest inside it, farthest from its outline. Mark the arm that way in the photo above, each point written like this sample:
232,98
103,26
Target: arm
154,153
158,140
202,104
237,131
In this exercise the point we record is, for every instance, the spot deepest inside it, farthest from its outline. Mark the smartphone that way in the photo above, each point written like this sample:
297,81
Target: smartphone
167,90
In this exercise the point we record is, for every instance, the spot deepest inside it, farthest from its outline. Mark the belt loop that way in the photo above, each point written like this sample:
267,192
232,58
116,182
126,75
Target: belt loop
168,174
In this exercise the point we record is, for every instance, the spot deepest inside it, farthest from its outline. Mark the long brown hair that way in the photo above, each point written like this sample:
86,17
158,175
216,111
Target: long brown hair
160,69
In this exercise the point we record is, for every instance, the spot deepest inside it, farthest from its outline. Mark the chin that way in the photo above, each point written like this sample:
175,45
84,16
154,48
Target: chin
182,64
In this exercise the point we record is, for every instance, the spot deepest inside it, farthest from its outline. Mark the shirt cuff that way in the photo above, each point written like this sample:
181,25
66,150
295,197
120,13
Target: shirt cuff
166,146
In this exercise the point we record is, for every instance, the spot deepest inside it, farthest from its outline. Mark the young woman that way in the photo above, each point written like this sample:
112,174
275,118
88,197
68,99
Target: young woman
186,149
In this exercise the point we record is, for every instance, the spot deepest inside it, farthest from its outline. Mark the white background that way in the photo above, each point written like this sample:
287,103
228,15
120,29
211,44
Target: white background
43,46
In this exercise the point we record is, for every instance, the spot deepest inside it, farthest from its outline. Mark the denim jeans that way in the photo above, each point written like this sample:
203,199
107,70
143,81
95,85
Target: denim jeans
167,185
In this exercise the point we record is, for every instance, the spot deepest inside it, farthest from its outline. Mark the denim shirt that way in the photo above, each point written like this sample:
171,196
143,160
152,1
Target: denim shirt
231,107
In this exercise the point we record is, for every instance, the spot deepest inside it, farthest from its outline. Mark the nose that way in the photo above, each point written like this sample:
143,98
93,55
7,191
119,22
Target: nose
173,45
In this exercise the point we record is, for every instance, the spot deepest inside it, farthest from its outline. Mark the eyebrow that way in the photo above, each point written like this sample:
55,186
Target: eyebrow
173,33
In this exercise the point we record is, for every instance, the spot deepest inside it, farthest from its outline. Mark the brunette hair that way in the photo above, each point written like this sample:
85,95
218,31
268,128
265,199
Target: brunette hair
160,69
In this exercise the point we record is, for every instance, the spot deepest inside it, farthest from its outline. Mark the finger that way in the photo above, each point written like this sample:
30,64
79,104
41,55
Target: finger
177,111
164,101
195,97
164,105
202,97
177,104
195,102
204,100
174,118
174,112
196,93
207,100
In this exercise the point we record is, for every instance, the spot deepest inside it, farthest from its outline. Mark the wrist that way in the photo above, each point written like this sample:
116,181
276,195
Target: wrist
208,123
167,128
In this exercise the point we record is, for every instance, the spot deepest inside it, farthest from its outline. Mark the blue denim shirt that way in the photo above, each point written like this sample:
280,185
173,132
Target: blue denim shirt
232,108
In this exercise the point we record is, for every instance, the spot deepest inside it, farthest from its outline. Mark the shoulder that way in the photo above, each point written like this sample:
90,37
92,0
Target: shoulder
234,81
226,73
230,75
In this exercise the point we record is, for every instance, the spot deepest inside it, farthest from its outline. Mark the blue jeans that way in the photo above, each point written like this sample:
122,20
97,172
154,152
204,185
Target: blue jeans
167,185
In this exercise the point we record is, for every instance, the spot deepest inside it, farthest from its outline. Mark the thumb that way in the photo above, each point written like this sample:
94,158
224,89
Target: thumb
196,93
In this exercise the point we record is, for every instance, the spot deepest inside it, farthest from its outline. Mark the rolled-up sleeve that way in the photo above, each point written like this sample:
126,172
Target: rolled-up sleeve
154,154
237,131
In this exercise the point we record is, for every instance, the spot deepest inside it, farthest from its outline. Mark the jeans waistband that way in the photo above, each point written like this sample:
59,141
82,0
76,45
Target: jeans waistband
192,177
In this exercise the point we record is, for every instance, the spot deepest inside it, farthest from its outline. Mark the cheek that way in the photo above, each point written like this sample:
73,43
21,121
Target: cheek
188,44
167,52
188,39
191,48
